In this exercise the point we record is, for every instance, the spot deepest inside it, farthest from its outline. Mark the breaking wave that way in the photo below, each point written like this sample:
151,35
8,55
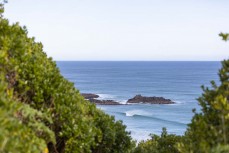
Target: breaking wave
142,114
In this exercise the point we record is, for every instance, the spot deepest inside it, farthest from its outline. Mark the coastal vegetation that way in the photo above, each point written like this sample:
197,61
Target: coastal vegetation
41,111
166,143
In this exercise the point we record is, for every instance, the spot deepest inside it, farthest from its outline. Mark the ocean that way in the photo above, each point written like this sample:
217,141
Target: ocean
120,81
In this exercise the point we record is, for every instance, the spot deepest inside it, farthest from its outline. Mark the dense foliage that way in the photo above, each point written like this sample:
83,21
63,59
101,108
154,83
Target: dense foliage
166,143
42,109
210,128
22,128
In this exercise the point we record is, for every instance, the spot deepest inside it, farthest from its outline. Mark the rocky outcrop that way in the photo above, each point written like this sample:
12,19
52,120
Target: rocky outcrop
150,100
137,99
89,95
104,102
92,98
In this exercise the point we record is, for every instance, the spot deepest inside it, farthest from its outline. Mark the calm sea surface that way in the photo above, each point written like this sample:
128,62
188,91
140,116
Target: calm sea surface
178,81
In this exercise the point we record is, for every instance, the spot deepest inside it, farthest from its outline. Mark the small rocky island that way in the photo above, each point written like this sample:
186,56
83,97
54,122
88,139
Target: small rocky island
89,95
150,100
135,100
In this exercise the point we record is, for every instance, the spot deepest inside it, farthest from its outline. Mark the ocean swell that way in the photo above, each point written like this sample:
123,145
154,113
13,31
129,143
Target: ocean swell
143,114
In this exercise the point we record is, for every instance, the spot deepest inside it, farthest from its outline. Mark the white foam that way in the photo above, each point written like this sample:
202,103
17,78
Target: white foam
137,112
105,97
178,103
122,102
110,97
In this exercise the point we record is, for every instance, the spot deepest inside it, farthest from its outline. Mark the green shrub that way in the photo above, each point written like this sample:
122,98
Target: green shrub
22,128
35,81
114,137
210,128
166,143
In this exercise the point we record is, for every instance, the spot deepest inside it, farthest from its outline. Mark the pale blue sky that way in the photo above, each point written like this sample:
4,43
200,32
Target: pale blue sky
126,29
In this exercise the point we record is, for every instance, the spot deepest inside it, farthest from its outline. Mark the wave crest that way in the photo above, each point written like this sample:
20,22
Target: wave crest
137,112
143,114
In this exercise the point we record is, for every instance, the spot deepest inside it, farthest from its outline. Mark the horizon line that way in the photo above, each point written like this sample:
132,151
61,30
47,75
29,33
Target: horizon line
137,60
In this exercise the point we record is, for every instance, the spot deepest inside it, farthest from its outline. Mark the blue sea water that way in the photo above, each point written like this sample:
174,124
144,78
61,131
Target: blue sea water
178,81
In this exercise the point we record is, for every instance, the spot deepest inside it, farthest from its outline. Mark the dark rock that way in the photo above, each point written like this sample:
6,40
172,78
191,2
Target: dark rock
104,102
89,95
150,100
92,98
137,99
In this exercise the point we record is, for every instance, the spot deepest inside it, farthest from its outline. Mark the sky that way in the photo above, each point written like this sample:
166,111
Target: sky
125,30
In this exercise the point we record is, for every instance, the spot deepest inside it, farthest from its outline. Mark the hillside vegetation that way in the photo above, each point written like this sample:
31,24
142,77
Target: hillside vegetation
40,110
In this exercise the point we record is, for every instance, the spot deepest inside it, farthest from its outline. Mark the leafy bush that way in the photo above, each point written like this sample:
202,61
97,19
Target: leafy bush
34,80
210,128
114,137
166,143
22,128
